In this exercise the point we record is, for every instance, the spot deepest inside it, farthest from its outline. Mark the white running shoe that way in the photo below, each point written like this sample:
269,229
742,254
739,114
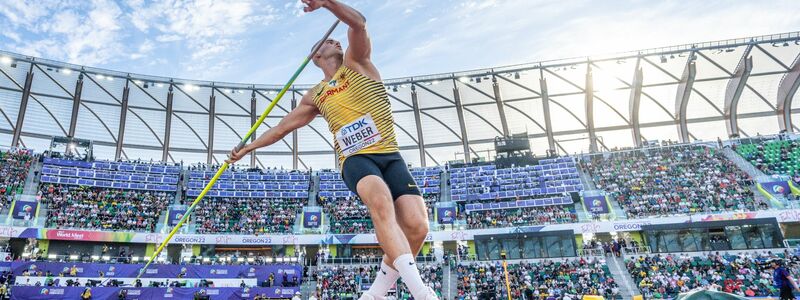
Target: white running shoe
368,296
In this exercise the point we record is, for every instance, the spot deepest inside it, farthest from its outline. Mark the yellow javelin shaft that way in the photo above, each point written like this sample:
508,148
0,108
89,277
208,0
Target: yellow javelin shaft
239,146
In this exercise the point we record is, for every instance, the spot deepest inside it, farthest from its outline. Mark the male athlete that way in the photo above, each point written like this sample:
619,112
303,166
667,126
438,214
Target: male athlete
353,101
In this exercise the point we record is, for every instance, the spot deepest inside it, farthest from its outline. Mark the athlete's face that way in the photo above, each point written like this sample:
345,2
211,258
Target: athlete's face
329,48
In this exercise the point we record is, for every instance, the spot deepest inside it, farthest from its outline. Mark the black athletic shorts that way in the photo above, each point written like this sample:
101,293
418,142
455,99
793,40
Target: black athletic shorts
388,166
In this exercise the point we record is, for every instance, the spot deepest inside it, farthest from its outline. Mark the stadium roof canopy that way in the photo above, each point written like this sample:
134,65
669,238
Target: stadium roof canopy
704,91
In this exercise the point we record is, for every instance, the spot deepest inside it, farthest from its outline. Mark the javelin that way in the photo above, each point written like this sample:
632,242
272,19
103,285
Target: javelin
239,146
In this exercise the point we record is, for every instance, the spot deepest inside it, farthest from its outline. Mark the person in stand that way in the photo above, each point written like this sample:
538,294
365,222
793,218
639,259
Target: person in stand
271,280
783,280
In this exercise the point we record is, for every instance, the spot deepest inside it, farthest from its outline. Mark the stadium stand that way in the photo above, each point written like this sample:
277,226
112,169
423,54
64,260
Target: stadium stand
428,180
342,282
772,156
14,167
249,201
571,278
107,174
537,194
248,215
102,208
673,180
520,217
747,274
348,215
270,183
106,195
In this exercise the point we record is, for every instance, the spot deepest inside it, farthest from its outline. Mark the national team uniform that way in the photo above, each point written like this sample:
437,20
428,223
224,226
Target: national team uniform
359,116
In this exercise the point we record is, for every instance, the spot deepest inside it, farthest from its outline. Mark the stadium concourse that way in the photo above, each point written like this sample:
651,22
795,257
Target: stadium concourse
541,181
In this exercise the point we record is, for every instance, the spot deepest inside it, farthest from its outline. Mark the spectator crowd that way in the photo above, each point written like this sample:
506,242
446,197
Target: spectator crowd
348,214
548,279
247,215
520,217
14,166
674,180
102,208
748,275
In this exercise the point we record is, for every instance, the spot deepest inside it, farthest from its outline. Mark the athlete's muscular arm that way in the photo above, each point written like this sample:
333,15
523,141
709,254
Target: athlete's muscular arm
298,117
359,49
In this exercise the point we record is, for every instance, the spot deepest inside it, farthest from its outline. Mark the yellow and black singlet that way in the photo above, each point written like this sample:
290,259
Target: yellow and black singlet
358,113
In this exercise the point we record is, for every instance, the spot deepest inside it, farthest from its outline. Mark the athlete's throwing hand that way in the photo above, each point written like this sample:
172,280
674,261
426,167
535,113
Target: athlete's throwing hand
312,5
237,154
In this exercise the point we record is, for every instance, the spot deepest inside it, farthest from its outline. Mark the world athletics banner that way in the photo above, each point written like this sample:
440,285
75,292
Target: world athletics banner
259,272
776,188
445,215
596,204
23,208
312,219
175,215
37,292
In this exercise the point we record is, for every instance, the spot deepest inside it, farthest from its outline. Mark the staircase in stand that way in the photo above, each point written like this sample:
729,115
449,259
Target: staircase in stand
314,190
309,286
449,286
444,187
627,288
742,163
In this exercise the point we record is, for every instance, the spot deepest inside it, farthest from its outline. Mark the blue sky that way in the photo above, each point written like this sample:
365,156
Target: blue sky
253,41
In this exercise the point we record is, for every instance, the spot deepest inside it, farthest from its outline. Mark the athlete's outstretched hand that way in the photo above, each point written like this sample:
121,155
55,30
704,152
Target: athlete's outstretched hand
236,154
312,5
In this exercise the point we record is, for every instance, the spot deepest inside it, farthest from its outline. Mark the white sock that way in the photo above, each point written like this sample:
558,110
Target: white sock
407,267
383,281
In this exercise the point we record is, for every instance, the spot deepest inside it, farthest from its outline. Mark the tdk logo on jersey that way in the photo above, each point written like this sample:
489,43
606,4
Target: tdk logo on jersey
352,127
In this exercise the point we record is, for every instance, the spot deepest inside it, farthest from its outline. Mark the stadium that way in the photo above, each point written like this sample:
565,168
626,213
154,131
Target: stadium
639,175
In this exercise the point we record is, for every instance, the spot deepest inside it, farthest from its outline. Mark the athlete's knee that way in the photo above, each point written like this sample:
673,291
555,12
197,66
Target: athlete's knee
420,230
416,227
376,197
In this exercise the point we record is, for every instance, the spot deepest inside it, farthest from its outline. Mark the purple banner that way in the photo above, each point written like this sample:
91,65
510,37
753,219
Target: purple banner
259,272
596,204
112,293
445,215
311,219
776,188
175,215
23,209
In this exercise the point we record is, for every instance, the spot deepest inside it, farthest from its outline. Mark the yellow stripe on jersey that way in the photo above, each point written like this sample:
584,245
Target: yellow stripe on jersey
349,96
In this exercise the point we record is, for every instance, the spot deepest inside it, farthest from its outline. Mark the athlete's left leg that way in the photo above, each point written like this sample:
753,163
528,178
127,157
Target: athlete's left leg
412,216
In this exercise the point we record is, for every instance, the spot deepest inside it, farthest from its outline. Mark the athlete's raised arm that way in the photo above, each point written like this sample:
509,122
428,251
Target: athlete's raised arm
359,48
303,114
